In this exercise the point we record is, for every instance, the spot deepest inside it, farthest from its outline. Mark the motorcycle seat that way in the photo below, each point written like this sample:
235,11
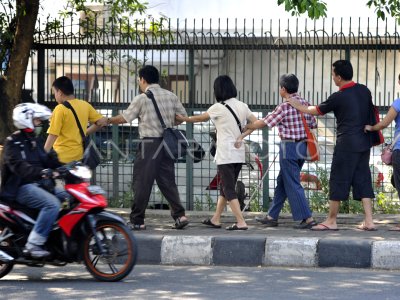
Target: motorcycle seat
15,205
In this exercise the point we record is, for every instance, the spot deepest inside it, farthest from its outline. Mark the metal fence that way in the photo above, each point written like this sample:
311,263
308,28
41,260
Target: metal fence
190,55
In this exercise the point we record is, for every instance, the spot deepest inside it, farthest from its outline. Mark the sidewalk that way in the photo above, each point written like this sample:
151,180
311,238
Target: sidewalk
198,244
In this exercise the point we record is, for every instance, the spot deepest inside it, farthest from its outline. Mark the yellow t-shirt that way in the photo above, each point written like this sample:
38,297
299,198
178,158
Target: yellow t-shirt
68,144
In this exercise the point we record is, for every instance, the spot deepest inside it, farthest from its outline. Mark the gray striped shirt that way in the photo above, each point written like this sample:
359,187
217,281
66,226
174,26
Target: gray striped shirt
142,108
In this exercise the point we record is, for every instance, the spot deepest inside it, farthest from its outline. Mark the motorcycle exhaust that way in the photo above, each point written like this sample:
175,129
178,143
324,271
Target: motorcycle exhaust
5,258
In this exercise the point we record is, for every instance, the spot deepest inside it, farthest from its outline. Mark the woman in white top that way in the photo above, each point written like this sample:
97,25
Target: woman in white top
229,157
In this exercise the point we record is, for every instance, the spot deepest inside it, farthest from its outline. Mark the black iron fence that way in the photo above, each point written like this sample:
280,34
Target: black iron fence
103,65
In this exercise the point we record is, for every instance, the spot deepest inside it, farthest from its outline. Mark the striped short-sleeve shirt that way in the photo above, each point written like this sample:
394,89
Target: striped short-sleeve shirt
142,108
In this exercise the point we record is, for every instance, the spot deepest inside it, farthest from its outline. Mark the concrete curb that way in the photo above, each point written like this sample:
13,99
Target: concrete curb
264,251
261,246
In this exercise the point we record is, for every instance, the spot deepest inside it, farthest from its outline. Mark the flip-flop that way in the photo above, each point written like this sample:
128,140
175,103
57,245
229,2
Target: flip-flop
323,228
209,223
305,225
366,228
235,227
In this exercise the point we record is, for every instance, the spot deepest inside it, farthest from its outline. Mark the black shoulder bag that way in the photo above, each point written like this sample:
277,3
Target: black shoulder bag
91,156
174,139
213,148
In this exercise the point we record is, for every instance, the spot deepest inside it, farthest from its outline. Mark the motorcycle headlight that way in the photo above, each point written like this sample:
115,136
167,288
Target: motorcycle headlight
96,190
82,172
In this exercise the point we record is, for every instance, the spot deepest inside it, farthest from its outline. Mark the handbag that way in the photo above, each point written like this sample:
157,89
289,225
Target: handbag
376,137
213,147
387,151
312,143
174,139
197,152
386,155
91,156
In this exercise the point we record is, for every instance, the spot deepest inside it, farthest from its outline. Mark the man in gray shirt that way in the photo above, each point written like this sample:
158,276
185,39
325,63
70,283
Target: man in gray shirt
153,161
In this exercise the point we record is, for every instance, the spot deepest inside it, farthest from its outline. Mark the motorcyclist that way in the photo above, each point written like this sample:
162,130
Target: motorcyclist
23,162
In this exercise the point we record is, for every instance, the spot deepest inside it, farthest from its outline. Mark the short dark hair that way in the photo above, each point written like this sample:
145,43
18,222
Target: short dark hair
290,82
224,88
64,84
150,74
343,68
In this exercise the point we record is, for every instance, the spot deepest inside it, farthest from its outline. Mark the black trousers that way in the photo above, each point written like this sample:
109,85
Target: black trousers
152,162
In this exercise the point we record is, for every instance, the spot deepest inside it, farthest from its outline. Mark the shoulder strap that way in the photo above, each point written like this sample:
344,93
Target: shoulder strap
150,95
69,106
304,122
234,115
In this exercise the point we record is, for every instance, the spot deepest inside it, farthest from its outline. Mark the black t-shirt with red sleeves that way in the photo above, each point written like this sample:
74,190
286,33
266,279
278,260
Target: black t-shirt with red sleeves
351,106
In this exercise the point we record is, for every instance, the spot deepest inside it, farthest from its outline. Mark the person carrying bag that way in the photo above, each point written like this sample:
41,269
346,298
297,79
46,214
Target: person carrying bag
91,156
312,143
386,155
174,139
63,135
213,147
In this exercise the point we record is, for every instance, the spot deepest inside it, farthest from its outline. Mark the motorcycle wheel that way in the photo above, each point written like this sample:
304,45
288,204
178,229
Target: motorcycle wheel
5,268
120,254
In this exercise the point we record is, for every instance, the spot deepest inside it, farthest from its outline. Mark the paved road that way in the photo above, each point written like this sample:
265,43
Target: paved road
199,282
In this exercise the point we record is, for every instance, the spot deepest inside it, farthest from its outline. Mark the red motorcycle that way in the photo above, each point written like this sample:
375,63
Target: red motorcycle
84,231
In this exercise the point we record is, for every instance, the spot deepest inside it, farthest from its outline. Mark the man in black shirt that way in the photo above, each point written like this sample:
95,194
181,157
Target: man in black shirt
351,106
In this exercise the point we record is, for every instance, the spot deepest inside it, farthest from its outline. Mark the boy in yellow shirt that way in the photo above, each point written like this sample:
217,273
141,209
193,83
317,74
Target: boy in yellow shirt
64,135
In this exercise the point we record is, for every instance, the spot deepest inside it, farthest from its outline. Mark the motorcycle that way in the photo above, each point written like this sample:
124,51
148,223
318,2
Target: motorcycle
84,231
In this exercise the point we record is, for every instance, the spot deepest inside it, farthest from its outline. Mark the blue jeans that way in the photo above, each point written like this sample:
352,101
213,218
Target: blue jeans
288,182
32,196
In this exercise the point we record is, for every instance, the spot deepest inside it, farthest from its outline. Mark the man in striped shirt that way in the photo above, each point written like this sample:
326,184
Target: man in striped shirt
292,153
153,161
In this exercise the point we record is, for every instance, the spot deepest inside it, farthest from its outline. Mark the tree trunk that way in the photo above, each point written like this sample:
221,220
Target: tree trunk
11,84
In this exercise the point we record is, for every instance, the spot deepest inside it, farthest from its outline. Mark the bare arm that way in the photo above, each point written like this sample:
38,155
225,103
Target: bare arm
193,119
51,138
246,132
390,116
116,120
312,110
102,122
257,124
97,125
92,128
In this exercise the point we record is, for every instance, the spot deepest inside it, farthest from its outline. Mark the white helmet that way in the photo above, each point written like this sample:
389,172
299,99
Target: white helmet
24,113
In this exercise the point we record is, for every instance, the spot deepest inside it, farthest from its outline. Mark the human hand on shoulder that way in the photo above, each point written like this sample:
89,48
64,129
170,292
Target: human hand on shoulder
293,102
